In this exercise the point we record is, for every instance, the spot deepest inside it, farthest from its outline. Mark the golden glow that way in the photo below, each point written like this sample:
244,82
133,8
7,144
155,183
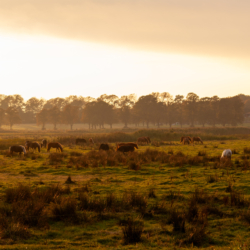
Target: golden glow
46,67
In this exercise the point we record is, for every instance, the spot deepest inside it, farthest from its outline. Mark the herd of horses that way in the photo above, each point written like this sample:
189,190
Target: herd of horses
120,147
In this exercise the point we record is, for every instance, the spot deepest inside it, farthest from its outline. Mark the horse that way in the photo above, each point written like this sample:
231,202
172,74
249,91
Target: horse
91,140
186,141
125,148
142,140
104,147
128,144
44,143
226,154
183,137
34,145
18,149
149,141
56,145
198,139
80,140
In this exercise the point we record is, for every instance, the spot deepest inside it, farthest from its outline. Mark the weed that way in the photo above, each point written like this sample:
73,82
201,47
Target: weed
151,193
134,166
20,192
246,150
178,220
69,181
202,153
132,230
212,178
238,199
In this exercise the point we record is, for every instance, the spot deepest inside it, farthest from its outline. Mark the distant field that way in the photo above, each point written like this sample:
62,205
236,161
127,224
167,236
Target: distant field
174,195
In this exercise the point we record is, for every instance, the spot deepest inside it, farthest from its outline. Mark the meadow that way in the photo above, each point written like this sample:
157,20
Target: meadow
165,195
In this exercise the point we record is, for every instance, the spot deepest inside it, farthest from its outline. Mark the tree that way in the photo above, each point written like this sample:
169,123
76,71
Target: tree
55,116
180,108
203,110
145,108
213,110
32,107
192,107
2,117
125,104
42,118
12,116
70,114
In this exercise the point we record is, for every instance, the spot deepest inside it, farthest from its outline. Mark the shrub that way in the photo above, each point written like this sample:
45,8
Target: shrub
199,196
212,178
170,152
246,150
178,220
132,230
56,157
64,210
20,192
151,193
234,152
69,180
202,153
238,199
246,216
134,165
14,231
75,153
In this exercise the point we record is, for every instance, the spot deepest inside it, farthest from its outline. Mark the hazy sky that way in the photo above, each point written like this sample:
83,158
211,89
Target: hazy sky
51,48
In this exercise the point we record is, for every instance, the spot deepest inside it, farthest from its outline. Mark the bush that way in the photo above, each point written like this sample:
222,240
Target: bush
246,150
15,194
14,231
57,157
134,166
238,199
151,193
64,210
202,153
212,178
178,220
132,230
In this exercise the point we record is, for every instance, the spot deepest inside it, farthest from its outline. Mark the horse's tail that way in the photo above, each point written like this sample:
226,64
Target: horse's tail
60,146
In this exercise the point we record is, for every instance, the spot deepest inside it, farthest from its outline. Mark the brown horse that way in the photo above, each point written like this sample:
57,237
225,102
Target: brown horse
149,141
198,139
17,149
80,140
128,144
91,140
142,140
56,145
33,145
183,137
44,143
104,147
185,141
126,148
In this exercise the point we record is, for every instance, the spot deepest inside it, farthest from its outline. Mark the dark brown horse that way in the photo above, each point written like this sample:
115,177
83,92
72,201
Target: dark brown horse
33,145
142,140
17,149
127,144
44,143
185,141
56,145
126,148
187,137
198,139
104,147
80,140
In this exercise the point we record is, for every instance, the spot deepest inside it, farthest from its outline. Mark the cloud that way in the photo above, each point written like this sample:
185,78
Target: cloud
208,27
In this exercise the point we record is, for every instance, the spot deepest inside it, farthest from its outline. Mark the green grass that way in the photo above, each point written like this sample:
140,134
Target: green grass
174,183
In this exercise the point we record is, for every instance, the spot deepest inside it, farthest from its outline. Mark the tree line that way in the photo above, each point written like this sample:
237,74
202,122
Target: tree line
156,108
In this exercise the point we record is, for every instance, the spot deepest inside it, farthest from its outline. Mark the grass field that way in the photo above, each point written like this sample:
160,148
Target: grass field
164,195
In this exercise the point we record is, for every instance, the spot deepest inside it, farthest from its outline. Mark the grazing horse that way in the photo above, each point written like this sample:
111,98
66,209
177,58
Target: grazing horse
186,141
91,140
226,154
126,148
142,140
80,140
183,137
44,143
56,145
33,145
104,147
198,139
127,144
18,149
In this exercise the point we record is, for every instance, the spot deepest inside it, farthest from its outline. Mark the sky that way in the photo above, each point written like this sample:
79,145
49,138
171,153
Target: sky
57,48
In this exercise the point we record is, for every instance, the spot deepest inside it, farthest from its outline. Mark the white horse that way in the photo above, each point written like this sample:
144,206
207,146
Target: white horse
18,149
227,153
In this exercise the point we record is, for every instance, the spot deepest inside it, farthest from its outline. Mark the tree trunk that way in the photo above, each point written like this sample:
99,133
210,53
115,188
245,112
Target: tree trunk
71,126
147,124
111,125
